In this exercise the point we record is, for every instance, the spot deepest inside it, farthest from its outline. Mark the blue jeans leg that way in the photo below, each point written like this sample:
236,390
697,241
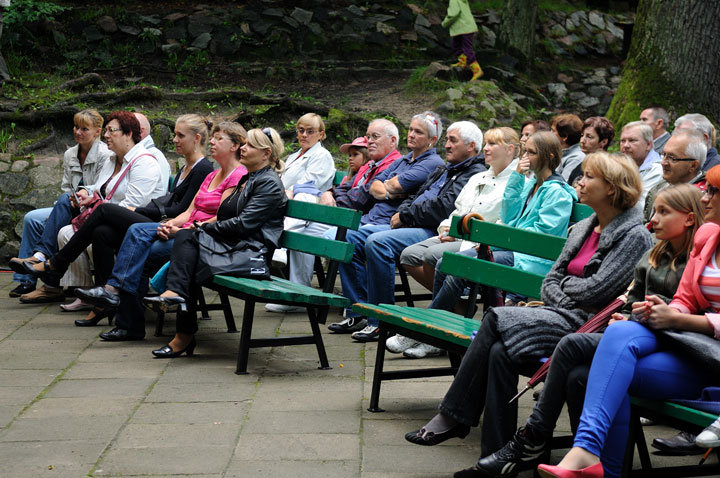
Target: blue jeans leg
382,249
353,274
448,289
33,225
131,256
60,216
629,359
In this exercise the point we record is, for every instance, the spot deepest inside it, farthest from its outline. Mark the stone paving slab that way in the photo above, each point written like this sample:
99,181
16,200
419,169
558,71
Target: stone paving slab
72,405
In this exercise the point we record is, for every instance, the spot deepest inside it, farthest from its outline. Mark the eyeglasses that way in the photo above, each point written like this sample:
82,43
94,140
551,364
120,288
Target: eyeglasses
110,130
308,132
710,191
267,133
672,159
530,152
375,137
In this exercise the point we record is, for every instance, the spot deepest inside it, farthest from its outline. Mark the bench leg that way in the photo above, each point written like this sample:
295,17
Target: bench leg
377,373
405,285
227,312
203,305
245,333
159,322
314,315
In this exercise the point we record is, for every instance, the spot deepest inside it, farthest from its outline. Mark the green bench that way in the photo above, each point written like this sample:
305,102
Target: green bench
281,291
671,414
451,331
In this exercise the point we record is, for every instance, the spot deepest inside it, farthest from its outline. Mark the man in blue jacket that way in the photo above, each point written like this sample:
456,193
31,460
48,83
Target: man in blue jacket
370,277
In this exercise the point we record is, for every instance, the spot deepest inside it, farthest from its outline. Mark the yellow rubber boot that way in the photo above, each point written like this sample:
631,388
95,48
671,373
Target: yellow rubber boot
462,61
476,70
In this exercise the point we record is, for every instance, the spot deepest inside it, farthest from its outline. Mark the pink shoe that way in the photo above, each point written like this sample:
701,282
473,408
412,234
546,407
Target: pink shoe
551,471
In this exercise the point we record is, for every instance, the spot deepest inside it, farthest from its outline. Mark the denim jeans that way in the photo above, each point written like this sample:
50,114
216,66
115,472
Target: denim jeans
140,255
60,216
33,225
448,289
370,276
630,360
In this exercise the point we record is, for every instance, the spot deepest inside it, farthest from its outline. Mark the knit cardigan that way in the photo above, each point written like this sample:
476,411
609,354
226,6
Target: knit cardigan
530,333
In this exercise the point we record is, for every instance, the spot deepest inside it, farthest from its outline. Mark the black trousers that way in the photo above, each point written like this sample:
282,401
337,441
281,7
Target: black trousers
105,229
566,382
181,278
486,380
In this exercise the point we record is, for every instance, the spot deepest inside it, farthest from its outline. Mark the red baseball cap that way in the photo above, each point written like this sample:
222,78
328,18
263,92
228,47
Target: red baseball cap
360,142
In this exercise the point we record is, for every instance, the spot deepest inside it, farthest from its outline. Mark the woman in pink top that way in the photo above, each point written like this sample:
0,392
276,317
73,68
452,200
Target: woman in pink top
633,358
152,242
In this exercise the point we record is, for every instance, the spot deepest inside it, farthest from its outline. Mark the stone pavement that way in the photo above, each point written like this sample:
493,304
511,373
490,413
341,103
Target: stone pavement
73,405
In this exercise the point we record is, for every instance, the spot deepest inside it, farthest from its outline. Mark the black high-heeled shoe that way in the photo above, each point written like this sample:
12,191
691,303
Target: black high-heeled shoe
99,315
459,430
166,304
48,274
167,351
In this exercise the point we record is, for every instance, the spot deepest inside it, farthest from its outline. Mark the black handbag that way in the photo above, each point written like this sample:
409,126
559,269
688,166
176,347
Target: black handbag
247,258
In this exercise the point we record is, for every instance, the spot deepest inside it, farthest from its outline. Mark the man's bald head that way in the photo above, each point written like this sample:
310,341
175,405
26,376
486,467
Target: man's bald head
144,125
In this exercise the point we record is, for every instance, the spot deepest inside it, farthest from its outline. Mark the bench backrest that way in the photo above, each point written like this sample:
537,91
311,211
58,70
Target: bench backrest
334,249
339,175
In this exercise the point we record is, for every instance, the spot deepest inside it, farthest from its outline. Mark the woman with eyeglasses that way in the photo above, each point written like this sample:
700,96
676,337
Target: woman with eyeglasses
254,211
307,174
131,177
637,357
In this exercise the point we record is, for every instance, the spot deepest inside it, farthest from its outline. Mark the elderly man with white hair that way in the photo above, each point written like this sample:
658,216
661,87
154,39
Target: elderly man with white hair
636,141
370,277
703,125
147,141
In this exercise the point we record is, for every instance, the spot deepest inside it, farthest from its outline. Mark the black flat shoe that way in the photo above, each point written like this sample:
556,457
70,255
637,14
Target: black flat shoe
460,431
48,274
166,304
22,289
167,351
119,335
99,315
98,296
18,265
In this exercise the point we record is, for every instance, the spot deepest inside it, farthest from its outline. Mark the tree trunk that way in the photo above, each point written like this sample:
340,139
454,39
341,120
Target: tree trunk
673,61
517,29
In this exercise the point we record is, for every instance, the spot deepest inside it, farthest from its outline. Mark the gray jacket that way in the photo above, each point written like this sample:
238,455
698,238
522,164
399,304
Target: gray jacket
532,333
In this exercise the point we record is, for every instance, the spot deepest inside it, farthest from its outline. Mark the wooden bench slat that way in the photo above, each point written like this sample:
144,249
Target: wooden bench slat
334,216
276,289
579,212
494,275
318,246
681,412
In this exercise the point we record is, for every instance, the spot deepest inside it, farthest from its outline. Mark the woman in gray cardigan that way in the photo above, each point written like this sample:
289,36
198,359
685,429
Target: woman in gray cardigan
594,267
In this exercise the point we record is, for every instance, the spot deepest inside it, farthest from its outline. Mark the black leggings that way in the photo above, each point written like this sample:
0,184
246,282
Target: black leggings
181,277
105,229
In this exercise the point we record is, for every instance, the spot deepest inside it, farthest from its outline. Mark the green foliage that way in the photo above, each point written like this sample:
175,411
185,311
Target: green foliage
21,12
417,84
640,86
5,136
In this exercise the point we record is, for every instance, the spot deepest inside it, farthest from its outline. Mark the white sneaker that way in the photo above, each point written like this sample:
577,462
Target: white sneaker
284,309
399,343
422,351
279,257
710,437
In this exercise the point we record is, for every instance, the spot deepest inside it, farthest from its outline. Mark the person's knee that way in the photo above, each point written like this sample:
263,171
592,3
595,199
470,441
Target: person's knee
411,256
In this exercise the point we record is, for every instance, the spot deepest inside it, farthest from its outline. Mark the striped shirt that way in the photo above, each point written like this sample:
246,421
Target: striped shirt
710,283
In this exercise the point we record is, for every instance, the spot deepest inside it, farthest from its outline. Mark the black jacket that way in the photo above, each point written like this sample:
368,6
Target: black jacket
180,197
431,212
255,211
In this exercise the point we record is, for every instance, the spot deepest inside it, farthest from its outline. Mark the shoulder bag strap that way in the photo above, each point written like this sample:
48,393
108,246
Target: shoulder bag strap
123,174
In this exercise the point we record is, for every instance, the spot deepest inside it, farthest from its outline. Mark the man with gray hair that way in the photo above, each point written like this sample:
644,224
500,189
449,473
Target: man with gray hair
657,118
147,141
700,123
636,141
682,162
370,277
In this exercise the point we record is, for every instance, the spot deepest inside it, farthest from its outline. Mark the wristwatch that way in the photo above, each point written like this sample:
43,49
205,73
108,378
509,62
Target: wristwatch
387,195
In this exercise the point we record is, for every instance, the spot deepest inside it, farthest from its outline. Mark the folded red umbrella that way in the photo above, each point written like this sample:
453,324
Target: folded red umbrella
598,321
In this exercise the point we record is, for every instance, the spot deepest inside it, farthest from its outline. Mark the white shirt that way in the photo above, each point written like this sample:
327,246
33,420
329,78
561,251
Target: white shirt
162,187
650,177
315,165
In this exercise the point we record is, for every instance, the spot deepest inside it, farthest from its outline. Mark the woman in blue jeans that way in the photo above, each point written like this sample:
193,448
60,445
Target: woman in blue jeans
147,246
633,357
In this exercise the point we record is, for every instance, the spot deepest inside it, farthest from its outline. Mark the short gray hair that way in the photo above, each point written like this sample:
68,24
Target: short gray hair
659,112
699,122
645,130
388,127
432,121
696,148
469,132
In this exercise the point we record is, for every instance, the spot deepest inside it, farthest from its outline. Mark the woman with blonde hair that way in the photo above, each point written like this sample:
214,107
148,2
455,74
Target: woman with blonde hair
595,266
254,211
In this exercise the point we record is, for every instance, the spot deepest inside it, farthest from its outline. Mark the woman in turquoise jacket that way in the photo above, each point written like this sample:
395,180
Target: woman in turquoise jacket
542,203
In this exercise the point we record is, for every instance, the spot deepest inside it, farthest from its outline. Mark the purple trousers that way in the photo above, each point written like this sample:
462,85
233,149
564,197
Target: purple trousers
464,44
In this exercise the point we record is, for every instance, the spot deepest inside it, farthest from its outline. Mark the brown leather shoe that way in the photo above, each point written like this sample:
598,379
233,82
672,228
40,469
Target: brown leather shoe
16,264
43,294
